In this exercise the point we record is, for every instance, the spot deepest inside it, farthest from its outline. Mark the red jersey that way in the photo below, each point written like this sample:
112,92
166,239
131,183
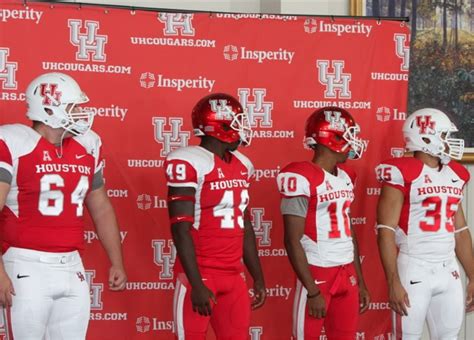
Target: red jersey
44,207
327,239
221,199
431,199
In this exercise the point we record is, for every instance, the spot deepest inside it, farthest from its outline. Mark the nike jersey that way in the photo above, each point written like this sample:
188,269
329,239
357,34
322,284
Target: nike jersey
431,199
44,207
327,237
221,199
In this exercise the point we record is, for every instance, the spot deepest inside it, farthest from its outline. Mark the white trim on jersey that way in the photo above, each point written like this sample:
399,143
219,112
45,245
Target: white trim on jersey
197,204
6,166
92,143
245,161
178,308
20,139
12,197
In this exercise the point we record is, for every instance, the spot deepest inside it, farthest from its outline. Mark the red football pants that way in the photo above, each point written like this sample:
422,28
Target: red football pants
230,317
340,290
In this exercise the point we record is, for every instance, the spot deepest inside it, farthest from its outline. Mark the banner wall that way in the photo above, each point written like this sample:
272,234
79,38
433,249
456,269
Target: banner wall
144,71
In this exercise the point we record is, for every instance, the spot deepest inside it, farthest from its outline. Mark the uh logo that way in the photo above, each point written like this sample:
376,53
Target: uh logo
177,23
7,70
336,82
164,257
402,50
90,45
172,138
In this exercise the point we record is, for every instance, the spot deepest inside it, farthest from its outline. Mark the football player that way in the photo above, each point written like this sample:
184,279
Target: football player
47,173
419,212
208,197
319,239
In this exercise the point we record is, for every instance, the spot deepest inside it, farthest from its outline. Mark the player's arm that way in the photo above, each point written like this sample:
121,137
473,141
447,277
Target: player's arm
181,213
294,230
6,286
388,214
364,296
252,262
102,212
465,254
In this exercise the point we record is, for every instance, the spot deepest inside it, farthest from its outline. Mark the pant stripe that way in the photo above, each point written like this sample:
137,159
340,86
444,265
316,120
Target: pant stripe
299,311
8,323
178,308
396,325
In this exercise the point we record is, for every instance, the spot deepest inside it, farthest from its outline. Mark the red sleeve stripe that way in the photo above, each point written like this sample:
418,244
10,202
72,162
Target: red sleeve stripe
181,198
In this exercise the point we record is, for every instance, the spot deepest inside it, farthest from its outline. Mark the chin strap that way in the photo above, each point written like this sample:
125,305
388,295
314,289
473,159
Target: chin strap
60,153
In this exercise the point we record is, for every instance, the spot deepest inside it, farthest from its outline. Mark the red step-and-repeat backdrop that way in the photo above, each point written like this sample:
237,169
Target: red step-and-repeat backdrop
143,72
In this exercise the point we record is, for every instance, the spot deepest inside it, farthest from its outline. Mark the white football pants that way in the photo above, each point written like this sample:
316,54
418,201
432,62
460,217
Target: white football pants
52,298
436,295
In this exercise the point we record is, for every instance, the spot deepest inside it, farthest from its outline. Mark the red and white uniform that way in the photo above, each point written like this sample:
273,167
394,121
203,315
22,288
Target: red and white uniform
43,230
425,235
218,231
328,246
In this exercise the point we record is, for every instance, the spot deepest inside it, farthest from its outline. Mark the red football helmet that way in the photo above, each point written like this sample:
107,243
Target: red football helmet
336,129
221,116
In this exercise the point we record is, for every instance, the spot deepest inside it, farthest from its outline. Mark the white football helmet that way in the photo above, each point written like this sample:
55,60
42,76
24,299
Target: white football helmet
52,100
428,130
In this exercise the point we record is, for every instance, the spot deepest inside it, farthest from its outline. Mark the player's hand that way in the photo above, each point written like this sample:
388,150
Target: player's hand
398,298
201,298
364,299
470,297
117,278
6,290
260,294
317,306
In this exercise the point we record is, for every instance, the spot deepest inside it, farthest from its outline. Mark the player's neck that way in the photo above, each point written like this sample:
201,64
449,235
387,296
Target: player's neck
429,160
326,163
214,146
54,136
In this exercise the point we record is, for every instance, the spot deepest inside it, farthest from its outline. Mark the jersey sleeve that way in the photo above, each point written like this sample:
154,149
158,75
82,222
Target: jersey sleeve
180,173
460,171
6,161
399,172
350,172
297,206
292,182
390,174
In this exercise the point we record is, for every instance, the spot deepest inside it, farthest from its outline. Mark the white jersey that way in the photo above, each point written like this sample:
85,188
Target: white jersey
431,199
327,237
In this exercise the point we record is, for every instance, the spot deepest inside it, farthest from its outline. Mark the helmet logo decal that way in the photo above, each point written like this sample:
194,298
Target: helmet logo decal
424,122
222,110
49,93
336,122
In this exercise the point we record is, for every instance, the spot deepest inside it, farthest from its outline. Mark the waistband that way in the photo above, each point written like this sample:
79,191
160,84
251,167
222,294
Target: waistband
425,263
42,256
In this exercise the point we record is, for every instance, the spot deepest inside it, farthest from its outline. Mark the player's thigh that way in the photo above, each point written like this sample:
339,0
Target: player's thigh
446,311
31,304
416,280
70,313
306,326
231,316
188,324
343,311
